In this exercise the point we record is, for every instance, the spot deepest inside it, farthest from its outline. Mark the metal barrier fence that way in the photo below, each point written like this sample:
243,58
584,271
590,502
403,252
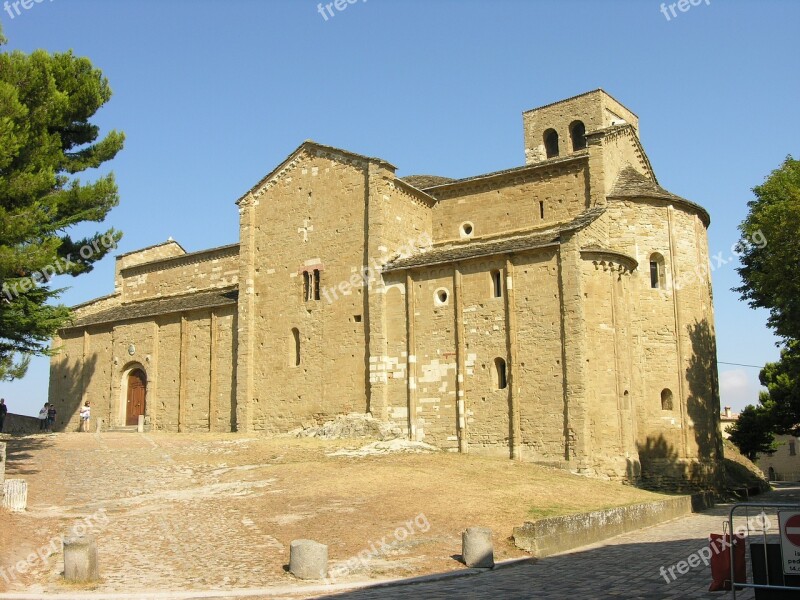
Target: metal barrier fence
772,544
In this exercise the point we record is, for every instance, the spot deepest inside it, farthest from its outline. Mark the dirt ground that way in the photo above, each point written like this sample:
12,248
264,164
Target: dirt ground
213,511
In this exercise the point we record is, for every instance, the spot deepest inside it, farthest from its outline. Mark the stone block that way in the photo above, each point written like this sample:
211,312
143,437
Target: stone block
80,559
15,497
477,549
308,559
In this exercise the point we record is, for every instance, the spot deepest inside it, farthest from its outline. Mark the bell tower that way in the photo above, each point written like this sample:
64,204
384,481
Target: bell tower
560,129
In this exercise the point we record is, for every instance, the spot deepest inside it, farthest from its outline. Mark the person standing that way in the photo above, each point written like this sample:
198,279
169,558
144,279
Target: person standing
43,417
51,417
86,413
3,412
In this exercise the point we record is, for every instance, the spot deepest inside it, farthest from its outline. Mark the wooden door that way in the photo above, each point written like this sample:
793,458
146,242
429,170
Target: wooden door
137,389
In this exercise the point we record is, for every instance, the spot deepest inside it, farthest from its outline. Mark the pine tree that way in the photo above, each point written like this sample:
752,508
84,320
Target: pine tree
46,139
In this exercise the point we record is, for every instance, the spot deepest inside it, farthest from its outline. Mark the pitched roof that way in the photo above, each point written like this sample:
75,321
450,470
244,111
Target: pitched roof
456,251
632,184
580,96
160,306
312,146
425,181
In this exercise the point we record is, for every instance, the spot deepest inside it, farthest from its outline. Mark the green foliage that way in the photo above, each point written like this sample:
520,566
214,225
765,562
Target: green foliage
752,431
770,255
782,380
46,138
10,370
770,248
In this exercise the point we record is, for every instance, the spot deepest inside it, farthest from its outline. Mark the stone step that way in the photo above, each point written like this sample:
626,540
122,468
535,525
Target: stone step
122,429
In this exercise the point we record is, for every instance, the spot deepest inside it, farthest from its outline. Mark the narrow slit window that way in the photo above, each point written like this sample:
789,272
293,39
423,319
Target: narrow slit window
296,344
497,284
307,284
657,273
316,284
500,373
541,209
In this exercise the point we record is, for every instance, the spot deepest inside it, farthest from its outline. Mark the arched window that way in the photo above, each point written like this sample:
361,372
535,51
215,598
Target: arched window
551,143
296,339
577,131
500,373
497,284
657,274
666,399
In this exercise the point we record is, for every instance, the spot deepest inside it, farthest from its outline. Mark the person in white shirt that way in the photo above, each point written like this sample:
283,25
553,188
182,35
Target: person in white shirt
43,417
85,416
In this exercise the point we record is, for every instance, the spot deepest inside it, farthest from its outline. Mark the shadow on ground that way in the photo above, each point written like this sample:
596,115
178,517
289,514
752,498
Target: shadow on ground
21,450
632,570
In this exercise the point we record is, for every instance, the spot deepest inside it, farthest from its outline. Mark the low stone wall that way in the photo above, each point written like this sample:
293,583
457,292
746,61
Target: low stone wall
20,424
556,534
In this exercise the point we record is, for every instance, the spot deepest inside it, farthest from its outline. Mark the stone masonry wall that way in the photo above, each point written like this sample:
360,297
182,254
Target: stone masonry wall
501,206
218,268
310,219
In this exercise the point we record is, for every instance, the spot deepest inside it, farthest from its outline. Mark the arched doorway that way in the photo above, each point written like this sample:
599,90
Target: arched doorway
137,396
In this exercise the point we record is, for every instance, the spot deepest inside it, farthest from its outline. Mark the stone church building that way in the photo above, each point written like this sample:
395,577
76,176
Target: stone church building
556,312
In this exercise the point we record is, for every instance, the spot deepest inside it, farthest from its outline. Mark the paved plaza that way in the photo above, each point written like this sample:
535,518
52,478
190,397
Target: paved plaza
184,514
627,566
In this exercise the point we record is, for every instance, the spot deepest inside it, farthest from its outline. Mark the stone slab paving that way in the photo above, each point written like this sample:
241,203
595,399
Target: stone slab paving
627,566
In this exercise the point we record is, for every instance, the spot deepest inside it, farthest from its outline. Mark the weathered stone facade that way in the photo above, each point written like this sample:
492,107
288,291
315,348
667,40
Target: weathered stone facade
544,312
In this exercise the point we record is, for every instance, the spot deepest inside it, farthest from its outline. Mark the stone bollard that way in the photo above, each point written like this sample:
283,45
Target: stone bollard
308,559
476,547
80,558
15,498
140,426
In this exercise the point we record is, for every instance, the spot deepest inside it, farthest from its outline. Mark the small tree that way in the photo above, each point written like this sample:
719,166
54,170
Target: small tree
46,101
782,380
752,431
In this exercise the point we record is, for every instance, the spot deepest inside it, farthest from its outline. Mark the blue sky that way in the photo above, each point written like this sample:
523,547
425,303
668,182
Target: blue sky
212,95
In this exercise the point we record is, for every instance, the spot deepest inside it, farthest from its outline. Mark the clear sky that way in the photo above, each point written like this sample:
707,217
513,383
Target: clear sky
212,95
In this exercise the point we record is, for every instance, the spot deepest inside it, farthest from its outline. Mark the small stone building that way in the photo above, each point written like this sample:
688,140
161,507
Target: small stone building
558,312
784,464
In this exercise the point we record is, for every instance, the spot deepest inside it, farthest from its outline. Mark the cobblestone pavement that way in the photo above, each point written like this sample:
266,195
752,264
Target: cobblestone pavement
159,495
627,566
